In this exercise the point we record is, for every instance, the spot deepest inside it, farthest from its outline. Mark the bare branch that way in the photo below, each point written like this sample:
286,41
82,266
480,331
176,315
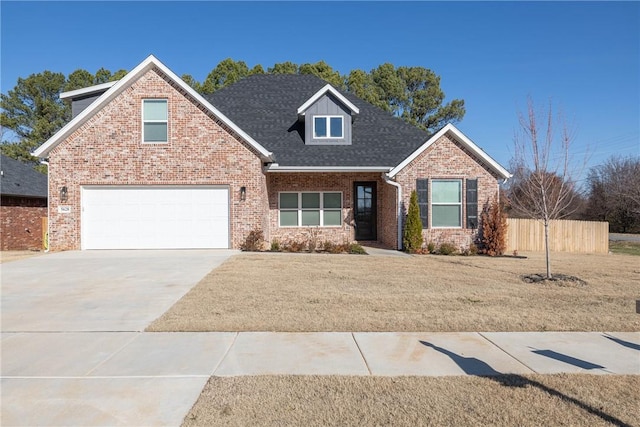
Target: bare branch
544,185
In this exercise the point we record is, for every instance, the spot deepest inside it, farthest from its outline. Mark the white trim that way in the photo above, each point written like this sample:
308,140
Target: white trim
460,137
328,88
87,90
299,209
328,118
124,83
274,167
399,211
166,121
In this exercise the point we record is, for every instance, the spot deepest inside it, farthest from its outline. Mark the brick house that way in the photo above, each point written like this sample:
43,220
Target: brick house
146,162
23,204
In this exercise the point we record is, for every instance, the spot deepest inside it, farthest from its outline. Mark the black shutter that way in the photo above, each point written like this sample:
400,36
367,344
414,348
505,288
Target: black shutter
472,203
422,188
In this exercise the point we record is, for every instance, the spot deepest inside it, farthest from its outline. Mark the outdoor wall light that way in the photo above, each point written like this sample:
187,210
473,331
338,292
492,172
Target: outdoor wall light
64,194
243,193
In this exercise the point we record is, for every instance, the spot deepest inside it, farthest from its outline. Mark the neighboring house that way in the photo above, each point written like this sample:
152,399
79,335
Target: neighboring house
23,204
149,163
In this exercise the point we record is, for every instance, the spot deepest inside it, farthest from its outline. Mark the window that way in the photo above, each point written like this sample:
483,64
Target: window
328,127
154,120
446,203
310,209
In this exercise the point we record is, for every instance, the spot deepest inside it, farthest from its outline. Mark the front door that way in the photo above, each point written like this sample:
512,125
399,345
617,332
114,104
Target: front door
364,211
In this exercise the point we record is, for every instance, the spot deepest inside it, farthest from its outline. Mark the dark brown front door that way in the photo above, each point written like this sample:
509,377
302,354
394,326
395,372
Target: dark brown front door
364,211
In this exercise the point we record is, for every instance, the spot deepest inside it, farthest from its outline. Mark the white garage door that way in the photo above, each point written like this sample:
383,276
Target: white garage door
155,217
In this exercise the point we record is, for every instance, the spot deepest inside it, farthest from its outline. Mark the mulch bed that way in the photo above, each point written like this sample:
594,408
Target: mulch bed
556,279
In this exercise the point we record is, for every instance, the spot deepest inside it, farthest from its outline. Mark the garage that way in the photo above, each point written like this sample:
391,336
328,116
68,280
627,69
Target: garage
155,217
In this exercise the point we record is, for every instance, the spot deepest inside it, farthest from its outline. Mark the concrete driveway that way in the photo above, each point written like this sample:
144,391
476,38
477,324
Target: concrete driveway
72,348
99,290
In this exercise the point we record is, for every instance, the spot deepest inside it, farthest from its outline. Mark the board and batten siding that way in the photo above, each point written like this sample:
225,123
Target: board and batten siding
564,236
327,105
78,105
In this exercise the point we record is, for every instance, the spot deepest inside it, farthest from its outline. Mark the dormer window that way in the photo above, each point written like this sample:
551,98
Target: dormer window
328,118
328,127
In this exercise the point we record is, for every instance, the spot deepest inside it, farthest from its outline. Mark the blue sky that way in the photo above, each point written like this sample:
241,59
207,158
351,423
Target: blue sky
584,56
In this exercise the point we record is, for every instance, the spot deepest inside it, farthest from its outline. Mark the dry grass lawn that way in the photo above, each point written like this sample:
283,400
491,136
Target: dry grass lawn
534,400
7,256
319,292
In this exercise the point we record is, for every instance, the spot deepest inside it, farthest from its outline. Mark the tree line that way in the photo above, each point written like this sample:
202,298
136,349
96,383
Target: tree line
611,193
33,111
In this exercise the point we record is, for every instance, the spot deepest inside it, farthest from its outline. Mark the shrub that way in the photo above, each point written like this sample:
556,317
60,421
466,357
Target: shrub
431,247
254,241
295,246
412,238
333,248
494,229
447,248
355,248
471,250
275,246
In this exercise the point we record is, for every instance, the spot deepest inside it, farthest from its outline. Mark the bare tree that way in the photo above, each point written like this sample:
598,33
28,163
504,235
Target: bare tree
614,193
544,182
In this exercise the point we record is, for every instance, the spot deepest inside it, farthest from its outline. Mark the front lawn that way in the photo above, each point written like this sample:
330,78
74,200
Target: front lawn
531,400
320,292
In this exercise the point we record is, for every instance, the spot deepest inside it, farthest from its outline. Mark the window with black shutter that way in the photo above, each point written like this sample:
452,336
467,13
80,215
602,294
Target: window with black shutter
422,188
472,203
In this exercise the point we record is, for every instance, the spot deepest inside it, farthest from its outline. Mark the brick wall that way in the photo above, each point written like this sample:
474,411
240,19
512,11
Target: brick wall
446,158
21,223
343,182
107,150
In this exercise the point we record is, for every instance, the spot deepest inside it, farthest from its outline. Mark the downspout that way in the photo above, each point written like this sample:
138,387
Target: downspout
45,162
399,201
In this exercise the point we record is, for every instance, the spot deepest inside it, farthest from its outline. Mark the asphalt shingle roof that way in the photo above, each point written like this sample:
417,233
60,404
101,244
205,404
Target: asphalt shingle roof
265,107
19,179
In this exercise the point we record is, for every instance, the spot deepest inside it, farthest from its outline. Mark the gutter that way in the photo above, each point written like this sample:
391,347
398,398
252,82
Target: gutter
389,181
275,167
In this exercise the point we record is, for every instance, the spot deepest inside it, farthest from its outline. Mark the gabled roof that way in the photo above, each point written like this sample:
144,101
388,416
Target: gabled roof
333,91
266,107
19,179
454,132
146,65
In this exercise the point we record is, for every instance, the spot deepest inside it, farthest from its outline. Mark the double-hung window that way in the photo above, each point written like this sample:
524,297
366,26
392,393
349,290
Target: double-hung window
446,203
328,127
307,209
155,121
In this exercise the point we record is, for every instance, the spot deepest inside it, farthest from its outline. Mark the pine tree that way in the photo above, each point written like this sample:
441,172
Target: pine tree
413,226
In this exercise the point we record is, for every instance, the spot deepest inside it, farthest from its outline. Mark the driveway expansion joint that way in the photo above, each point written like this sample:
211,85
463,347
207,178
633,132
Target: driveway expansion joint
364,359
226,353
507,353
112,355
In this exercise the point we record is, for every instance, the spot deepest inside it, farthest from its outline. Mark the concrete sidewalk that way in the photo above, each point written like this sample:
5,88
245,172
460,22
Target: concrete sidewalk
137,378
73,352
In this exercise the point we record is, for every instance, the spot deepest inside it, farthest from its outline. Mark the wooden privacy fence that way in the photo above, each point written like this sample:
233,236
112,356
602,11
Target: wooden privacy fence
564,236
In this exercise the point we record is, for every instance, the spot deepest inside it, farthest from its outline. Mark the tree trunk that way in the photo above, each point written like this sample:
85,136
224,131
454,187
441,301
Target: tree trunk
546,248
